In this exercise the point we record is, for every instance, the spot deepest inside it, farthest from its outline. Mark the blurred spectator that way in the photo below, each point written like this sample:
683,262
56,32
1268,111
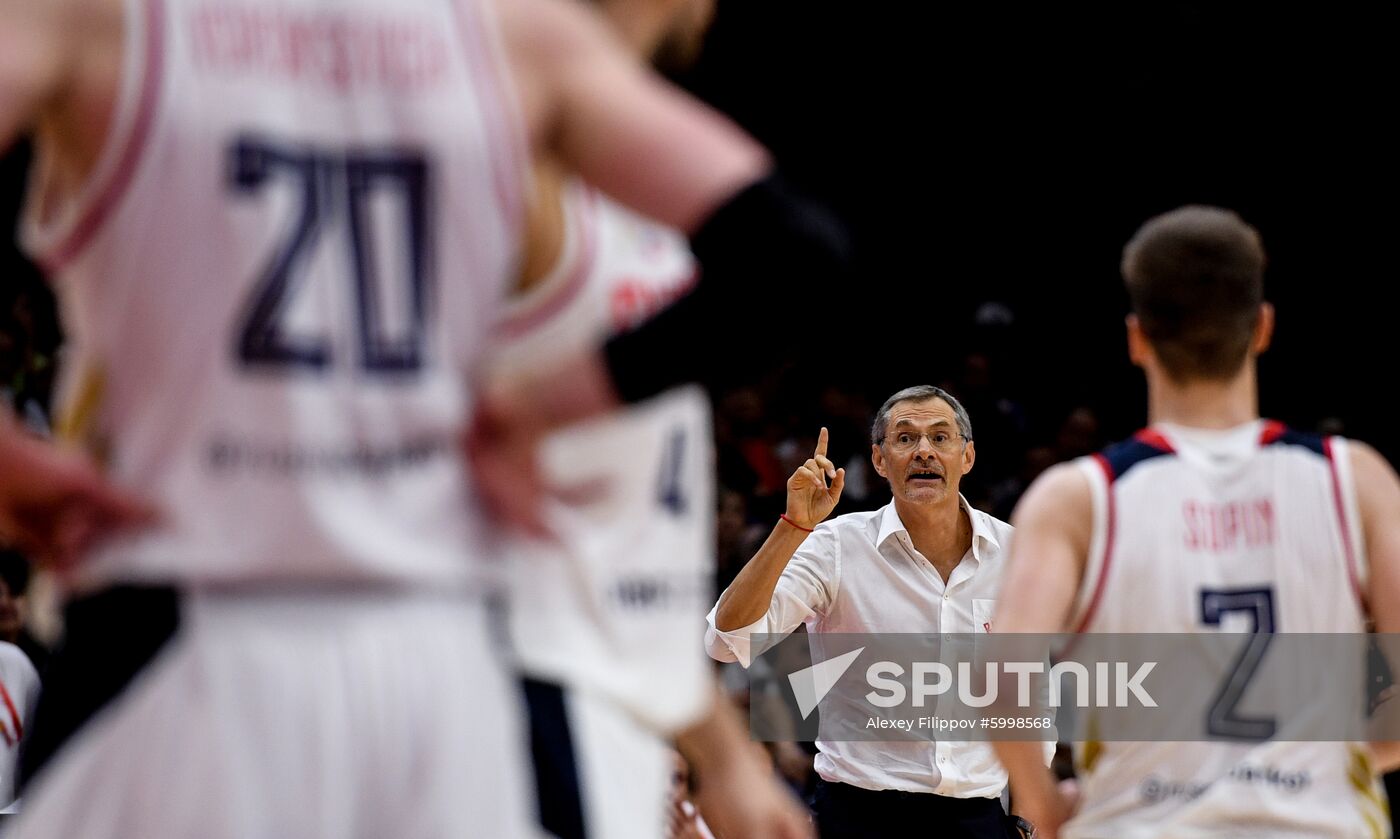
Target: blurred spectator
1331,426
14,607
1079,434
28,340
1006,493
751,433
735,535
1000,423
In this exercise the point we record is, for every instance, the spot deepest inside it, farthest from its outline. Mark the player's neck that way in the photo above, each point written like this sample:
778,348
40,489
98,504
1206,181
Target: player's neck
941,532
1203,403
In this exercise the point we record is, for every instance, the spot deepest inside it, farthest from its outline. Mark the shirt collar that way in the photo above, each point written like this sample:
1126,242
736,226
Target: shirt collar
890,525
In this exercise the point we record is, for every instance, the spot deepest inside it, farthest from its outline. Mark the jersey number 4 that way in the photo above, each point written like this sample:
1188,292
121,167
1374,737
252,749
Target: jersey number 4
336,192
670,488
1224,719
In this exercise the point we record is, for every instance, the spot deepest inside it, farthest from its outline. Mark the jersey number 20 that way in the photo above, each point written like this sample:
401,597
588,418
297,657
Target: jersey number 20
334,191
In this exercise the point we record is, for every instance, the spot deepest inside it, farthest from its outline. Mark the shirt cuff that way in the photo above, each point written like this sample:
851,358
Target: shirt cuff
734,645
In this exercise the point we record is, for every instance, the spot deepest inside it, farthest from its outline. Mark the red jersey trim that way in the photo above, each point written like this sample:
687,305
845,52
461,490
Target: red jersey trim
110,193
14,714
1272,431
1353,575
1102,582
1152,438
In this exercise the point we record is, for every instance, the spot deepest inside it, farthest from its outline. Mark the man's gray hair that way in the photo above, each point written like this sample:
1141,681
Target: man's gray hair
919,393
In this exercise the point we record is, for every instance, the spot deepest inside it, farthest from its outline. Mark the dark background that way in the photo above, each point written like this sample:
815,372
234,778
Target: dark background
1005,155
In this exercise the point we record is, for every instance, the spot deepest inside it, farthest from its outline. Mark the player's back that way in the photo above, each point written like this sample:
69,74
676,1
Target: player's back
277,280
1253,528
616,606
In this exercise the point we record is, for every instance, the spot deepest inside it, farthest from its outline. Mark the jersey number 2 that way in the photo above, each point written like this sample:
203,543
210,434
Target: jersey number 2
334,191
1224,719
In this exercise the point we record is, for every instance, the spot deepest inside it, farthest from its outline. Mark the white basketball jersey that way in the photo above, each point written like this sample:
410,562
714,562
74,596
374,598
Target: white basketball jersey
1195,529
617,606
278,279
19,693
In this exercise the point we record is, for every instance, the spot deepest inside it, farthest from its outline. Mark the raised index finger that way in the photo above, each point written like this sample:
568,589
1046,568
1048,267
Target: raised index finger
821,442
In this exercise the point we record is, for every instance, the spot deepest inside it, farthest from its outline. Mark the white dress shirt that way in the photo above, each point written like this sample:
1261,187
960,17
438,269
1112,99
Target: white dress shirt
860,573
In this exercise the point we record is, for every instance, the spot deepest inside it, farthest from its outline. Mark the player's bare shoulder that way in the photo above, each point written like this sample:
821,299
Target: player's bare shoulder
34,52
1375,478
61,65
545,40
1061,499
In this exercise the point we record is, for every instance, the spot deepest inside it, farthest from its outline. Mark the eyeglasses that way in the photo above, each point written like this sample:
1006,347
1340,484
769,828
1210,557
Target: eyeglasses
908,441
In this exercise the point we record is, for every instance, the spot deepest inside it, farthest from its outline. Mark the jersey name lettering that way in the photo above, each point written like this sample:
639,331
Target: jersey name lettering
332,50
1225,527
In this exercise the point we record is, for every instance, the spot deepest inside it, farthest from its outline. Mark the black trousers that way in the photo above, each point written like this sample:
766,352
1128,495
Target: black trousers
847,812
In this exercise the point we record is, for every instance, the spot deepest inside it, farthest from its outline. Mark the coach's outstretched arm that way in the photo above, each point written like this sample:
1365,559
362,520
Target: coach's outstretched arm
809,501
793,575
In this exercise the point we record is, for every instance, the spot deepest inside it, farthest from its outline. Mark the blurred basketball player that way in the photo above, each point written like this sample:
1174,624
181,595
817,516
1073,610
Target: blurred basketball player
281,231
607,619
1115,543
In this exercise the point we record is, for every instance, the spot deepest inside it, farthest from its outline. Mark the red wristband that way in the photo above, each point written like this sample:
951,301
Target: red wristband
784,517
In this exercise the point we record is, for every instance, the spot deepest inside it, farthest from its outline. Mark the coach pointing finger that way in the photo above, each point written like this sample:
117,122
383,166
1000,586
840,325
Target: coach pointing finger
925,563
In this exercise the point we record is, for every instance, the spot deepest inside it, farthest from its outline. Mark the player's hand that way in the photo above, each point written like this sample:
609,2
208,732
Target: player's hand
683,821
1047,817
55,505
810,499
746,801
512,418
500,446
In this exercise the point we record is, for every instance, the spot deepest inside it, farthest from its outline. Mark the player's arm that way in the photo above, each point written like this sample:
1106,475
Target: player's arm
809,501
1053,525
599,112
737,792
1052,528
595,109
1378,497
33,61
590,104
